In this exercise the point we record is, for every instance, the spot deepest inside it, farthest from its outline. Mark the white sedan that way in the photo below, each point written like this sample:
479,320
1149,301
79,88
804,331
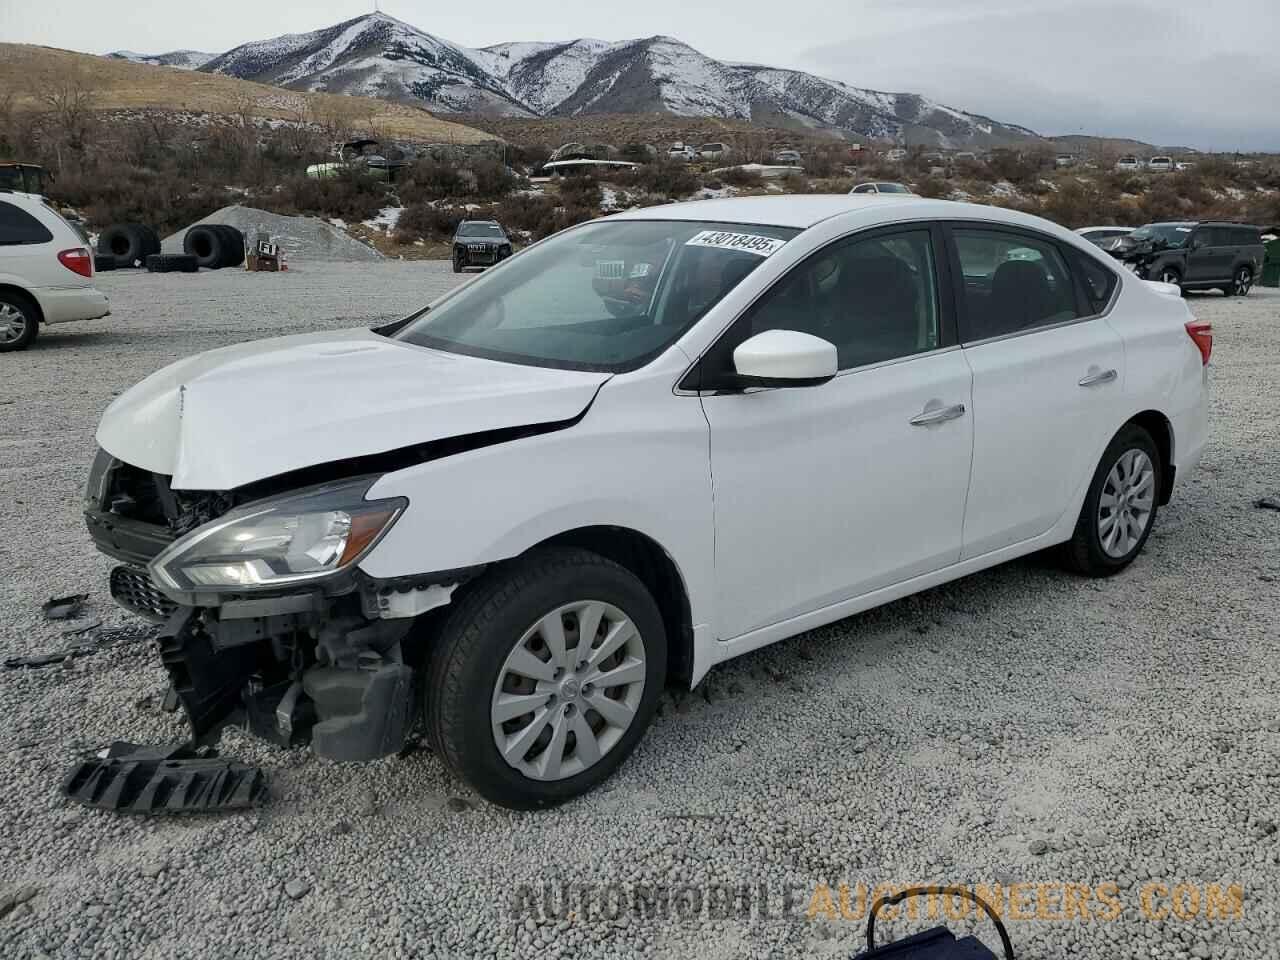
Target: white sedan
640,448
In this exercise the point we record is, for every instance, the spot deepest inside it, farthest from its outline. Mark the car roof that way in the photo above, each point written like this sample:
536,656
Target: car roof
805,210
1102,226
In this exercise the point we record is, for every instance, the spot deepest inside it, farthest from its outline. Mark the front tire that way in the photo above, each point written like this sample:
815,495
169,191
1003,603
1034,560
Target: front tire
544,677
1120,508
1171,275
19,321
457,263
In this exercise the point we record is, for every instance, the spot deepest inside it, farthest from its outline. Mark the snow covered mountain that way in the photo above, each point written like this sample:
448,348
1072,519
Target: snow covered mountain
182,59
377,55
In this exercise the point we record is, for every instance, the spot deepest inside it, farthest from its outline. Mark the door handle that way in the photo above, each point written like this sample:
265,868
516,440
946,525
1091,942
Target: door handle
1093,379
938,415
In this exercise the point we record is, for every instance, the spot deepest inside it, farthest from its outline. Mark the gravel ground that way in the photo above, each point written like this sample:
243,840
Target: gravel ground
1019,726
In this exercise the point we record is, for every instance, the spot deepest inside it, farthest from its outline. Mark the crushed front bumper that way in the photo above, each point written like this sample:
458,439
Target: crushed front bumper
292,673
321,665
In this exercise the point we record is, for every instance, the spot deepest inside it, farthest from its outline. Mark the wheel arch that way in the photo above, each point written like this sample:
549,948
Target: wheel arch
654,567
1161,430
25,294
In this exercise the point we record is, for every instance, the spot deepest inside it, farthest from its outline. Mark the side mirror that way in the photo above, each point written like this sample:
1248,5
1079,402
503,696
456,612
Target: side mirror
784,358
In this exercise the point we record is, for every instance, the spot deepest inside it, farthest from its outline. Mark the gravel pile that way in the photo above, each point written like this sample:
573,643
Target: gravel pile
1019,726
301,238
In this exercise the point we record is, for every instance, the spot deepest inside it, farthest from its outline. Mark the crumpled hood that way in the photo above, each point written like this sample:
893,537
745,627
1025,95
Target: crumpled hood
221,419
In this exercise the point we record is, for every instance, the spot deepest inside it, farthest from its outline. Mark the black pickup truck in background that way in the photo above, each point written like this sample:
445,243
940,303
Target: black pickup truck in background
1196,255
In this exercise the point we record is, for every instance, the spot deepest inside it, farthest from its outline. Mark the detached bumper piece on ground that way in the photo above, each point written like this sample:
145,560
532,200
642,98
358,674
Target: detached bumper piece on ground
938,943
168,779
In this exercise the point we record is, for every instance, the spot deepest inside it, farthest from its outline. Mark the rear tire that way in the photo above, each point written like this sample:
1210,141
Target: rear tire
1242,282
1120,508
500,619
19,321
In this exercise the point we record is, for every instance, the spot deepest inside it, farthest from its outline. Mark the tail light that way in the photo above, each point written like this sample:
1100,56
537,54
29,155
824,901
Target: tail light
1201,334
77,260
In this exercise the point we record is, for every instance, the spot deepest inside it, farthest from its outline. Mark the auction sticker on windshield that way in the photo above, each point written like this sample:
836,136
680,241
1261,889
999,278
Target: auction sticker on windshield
723,240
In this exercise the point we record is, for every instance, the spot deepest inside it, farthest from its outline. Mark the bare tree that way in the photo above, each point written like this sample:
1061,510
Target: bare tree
69,98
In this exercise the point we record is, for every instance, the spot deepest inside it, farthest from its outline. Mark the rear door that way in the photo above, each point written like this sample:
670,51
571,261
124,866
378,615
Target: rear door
27,256
1046,372
1210,255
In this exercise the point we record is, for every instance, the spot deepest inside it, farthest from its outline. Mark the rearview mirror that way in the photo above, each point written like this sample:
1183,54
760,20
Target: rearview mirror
784,358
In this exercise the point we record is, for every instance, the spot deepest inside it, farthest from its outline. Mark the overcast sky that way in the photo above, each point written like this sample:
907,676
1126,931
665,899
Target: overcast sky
1201,73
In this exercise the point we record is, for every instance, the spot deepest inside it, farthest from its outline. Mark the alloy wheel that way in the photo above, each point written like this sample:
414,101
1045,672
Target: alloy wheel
1244,280
1126,503
13,323
568,691
1169,276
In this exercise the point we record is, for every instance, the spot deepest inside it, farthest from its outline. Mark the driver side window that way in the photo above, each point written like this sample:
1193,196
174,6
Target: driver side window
876,299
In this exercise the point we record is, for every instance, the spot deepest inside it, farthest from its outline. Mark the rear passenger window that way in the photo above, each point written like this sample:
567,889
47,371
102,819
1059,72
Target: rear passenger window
1097,281
18,227
876,299
1012,283
1245,236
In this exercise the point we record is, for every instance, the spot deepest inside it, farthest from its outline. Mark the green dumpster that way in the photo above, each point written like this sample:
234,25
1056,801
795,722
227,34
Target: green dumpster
1271,264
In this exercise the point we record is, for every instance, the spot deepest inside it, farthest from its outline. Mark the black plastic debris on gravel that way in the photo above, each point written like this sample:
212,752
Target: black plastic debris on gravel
1268,503
165,779
64,608
99,640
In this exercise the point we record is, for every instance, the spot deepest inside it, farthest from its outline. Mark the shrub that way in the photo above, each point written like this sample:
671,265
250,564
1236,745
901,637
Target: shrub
422,221
163,200
529,213
431,179
351,195
933,187
669,179
580,190
493,179
737,177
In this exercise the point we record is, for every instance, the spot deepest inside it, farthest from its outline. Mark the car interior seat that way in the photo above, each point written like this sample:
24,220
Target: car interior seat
1020,298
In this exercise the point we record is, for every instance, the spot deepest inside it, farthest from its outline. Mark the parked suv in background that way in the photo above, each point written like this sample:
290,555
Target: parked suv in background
46,271
1198,256
479,243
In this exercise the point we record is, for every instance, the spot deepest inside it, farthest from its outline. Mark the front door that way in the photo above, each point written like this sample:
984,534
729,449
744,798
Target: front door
825,493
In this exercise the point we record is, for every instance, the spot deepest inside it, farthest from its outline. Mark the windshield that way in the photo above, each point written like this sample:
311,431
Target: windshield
606,296
893,188
1163,234
479,230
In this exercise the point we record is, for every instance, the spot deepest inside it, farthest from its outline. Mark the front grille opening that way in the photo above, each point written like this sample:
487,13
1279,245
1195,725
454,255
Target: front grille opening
134,493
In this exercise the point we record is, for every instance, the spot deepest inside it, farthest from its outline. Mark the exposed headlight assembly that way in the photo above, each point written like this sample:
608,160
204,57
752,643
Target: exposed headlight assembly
279,542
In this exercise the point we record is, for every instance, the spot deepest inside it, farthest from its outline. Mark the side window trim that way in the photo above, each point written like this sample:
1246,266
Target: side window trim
948,329
1064,252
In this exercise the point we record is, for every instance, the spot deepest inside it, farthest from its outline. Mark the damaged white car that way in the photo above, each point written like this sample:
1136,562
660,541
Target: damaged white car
520,513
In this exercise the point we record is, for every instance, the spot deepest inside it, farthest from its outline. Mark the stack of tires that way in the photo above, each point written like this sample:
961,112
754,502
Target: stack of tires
125,245
214,246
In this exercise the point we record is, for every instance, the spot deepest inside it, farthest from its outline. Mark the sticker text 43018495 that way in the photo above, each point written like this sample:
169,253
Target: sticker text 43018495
725,240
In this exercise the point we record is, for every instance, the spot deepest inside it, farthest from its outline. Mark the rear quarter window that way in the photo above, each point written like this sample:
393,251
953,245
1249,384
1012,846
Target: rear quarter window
19,227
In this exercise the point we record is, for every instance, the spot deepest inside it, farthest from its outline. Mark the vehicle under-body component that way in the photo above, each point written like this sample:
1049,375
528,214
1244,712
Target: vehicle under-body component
169,779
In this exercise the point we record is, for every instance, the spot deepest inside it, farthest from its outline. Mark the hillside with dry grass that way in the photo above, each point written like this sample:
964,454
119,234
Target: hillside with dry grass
32,78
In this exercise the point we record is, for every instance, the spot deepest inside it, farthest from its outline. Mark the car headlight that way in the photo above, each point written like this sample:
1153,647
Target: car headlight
279,542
